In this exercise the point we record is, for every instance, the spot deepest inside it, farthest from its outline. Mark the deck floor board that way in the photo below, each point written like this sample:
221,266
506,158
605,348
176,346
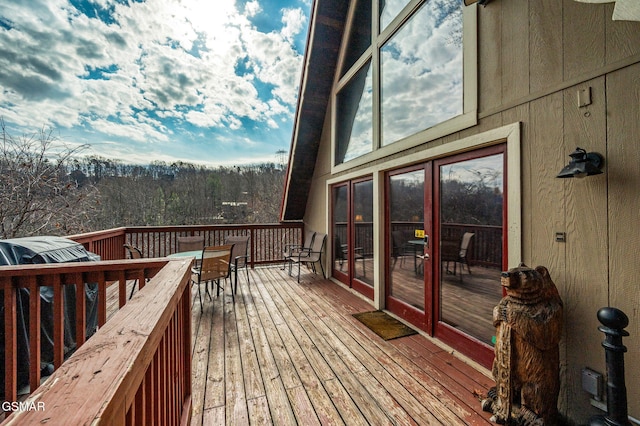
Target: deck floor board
286,352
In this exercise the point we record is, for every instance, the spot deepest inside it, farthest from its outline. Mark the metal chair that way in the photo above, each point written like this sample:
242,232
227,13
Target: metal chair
310,256
400,246
239,256
191,243
213,267
289,250
341,253
460,256
134,253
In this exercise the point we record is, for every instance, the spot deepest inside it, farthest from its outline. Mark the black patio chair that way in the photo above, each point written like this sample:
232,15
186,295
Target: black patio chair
239,256
310,256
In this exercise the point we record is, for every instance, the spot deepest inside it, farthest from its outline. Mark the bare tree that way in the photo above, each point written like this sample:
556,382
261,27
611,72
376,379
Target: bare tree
37,192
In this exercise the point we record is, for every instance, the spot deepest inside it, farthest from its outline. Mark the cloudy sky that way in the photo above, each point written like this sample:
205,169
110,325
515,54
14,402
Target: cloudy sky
204,81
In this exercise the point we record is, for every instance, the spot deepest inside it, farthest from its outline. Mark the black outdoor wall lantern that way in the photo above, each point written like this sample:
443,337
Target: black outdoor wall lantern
582,164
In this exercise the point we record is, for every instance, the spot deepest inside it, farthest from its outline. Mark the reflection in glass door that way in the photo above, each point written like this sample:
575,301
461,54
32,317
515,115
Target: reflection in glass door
406,294
470,217
352,227
340,214
446,247
362,253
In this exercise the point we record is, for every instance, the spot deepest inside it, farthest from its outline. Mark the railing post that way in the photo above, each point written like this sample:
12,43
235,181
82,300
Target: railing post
613,323
252,247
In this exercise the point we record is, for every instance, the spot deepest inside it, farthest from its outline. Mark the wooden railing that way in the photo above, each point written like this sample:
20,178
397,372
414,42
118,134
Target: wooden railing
68,320
265,240
108,244
486,245
136,369
485,248
47,330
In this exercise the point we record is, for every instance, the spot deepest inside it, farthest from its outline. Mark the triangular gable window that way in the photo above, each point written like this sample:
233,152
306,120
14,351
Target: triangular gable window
389,9
359,35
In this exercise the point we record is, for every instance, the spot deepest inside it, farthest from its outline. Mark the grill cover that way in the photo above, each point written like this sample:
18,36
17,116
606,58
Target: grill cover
37,250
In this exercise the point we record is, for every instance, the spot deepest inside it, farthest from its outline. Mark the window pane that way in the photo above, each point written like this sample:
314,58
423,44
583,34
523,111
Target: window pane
340,208
471,229
422,71
406,208
389,9
363,224
359,35
354,117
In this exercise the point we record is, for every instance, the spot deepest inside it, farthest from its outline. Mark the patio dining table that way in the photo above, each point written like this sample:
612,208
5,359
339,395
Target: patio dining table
191,253
197,254
418,250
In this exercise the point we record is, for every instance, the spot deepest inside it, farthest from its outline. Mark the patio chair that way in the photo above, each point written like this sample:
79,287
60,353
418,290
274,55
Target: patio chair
195,242
460,256
400,247
341,253
213,267
134,253
310,256
289,250
239,256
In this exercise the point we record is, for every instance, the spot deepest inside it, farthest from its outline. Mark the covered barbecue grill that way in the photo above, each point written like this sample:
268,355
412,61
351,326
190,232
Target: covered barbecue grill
37,250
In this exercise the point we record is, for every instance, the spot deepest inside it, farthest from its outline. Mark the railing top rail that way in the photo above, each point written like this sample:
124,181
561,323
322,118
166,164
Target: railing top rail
81,267
102,233
471,225
103,372
214,226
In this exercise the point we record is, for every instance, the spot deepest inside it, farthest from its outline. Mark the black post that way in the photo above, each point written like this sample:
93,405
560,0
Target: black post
613,323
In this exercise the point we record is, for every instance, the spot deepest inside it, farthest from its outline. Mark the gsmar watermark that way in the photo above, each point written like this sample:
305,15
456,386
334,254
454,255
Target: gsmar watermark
23,406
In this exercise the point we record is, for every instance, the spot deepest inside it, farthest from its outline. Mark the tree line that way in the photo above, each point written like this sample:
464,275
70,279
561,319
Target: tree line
48,188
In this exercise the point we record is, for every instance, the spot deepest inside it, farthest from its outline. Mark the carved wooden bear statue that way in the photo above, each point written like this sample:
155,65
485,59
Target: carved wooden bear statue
528,323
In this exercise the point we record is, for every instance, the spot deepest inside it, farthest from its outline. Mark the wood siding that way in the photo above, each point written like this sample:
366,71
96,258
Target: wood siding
561,48
534,56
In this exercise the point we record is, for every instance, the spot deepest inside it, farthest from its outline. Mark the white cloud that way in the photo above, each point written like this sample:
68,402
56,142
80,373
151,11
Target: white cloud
252,8
144,66
294,22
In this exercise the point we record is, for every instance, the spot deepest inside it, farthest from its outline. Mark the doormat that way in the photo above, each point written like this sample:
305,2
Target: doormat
384,325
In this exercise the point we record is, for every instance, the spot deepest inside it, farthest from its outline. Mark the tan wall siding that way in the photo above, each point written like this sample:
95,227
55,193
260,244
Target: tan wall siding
623,177
534,56
560,48
315,214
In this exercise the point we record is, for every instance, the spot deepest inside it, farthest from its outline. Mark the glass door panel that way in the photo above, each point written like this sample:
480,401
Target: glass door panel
363,232
406,283
352,228
470,218
340,215
446,247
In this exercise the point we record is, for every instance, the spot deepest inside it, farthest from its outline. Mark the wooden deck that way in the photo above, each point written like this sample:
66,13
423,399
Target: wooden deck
467,299
290,353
